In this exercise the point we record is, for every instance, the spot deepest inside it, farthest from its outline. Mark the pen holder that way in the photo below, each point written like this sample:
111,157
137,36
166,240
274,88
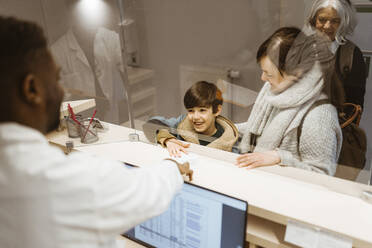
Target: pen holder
88,133
73,129
97,124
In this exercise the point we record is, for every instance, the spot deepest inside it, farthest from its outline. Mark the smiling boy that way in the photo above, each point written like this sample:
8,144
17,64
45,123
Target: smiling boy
202,124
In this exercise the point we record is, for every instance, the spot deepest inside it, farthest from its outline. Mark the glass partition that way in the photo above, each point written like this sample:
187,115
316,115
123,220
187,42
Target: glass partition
85,42
185,42
180,43
362,37
138,59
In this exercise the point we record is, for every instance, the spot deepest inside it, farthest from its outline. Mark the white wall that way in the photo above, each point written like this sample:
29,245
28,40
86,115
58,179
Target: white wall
193,32
294,12
25,9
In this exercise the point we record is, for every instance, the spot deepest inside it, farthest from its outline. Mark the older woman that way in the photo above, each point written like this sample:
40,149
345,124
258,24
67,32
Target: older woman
336,19
292,123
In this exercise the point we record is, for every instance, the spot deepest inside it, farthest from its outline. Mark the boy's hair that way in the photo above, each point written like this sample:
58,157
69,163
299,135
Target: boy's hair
203,94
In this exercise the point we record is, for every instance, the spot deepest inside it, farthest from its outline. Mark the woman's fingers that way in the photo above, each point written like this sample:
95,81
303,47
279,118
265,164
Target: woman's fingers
254,165
249,161
258,159
245,160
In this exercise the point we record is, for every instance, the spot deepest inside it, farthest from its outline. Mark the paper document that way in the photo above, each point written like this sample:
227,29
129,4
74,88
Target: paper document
312,237
192,158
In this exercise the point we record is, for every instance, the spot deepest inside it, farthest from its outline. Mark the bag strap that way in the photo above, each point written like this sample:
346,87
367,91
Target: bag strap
346,57
356,115
299,130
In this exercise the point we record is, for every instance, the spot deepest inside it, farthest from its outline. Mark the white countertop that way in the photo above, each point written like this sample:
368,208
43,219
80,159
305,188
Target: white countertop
271,196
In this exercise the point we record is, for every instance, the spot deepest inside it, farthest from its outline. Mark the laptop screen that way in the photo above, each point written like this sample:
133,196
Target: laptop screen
196,218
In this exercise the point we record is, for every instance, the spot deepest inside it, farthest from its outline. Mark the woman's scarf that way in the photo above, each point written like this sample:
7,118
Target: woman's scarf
274,115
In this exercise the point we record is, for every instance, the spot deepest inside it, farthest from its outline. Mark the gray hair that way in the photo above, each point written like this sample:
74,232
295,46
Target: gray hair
346,12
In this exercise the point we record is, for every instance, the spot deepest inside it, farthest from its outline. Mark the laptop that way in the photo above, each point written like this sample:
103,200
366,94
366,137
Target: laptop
196,218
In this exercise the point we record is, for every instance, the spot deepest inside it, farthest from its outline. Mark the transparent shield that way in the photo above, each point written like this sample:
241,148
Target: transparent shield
138,59
176,45
179,44
88,45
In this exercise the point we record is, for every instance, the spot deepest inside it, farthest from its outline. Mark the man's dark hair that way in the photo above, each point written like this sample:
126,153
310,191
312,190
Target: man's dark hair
22,46
277,46
203,94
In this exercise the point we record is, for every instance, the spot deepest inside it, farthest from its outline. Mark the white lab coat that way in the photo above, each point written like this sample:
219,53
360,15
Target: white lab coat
50,200
77,73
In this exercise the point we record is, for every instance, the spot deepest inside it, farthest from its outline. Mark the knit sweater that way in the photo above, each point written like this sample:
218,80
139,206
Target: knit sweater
185,131
275,120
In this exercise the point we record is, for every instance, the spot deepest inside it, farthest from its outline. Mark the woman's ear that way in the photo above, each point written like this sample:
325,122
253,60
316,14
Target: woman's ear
31,90
219,110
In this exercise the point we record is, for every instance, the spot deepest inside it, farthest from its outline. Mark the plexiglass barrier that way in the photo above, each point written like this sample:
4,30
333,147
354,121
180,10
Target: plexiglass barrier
141,60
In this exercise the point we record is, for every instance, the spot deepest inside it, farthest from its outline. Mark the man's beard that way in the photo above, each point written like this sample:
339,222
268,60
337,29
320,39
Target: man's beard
54,120
54,124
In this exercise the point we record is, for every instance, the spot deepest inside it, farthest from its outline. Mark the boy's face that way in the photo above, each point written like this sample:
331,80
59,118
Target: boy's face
203,119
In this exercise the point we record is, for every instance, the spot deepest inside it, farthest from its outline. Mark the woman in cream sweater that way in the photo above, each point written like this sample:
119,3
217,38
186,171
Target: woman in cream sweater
292,122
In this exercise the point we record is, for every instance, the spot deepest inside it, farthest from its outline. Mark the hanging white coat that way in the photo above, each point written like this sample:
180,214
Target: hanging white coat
77,74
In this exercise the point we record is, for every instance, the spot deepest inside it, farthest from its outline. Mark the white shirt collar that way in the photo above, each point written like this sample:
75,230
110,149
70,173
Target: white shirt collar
14,132
334,47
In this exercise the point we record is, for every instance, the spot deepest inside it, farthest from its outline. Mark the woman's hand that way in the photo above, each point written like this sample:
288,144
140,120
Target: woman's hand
258,159
175,147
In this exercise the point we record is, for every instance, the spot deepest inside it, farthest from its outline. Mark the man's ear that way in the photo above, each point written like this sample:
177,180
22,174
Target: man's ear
31,90
219,110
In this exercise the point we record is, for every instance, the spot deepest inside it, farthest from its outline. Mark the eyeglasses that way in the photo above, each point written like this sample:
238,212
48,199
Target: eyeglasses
332,21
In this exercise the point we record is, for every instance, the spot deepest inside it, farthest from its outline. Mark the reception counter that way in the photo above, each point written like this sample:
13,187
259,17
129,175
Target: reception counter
277,196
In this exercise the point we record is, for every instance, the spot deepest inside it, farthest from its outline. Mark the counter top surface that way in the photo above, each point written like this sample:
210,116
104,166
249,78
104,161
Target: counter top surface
271,196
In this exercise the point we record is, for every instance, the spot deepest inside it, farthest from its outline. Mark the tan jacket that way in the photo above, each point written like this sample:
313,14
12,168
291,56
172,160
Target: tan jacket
186,131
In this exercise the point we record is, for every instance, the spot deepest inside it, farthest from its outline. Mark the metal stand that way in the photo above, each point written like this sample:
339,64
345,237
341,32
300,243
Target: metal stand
367,196
69,146
134,137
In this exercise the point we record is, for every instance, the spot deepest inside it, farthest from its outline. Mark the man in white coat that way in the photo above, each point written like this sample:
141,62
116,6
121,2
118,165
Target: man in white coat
48,199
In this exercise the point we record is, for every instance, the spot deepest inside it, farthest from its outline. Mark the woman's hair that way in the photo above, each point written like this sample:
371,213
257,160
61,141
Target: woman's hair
295,53
203,94
277,46
345,11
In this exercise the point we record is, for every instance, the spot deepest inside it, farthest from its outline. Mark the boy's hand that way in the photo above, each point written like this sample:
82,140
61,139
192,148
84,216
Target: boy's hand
258,159
175,147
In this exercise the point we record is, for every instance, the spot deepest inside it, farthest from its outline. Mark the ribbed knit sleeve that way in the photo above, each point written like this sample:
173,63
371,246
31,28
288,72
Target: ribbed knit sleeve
319,144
